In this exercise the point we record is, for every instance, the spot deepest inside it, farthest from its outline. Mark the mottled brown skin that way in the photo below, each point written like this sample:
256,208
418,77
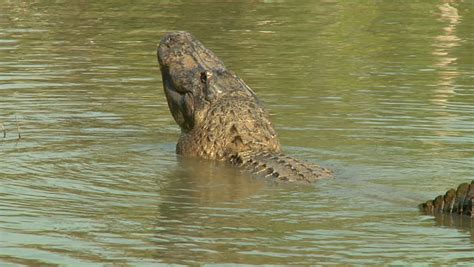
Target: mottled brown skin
459,201
220,116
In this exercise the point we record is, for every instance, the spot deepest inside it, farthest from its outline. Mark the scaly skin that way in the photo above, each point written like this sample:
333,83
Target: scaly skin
220,117
458,201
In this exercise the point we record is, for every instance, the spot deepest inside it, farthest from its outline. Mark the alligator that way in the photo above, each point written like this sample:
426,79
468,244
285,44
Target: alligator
459,201
220,117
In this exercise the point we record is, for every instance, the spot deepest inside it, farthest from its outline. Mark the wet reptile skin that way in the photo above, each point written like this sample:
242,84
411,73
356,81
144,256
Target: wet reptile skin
220,117
459,201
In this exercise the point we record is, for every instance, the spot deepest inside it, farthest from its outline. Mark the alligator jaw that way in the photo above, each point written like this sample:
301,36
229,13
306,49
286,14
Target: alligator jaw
194,78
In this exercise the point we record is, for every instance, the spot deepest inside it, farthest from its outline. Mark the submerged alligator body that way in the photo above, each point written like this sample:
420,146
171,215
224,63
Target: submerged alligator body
459,201
220,117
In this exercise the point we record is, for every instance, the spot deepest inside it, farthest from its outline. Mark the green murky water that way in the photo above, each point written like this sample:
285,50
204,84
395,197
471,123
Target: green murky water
380,91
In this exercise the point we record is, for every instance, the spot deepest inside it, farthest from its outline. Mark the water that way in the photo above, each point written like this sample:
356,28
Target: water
380,91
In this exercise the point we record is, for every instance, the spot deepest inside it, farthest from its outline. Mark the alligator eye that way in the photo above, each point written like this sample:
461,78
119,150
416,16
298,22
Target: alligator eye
203,77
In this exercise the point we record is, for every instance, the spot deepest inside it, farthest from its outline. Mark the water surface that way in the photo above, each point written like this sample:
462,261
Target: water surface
380,91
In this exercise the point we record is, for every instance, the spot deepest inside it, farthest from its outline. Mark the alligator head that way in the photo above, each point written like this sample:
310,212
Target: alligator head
194,78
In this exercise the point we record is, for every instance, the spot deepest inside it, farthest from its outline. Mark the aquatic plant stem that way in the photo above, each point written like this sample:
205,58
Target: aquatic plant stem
18,128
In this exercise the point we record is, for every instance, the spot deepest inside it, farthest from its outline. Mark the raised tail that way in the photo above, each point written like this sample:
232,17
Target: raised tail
458,201
281,168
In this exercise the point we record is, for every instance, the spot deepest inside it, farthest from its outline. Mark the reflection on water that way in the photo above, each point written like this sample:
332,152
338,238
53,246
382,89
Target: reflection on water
444,44
446,65
211,182
463,223
382,93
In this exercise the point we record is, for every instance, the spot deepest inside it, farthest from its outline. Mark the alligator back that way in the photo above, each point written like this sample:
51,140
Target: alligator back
459,201
281,167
